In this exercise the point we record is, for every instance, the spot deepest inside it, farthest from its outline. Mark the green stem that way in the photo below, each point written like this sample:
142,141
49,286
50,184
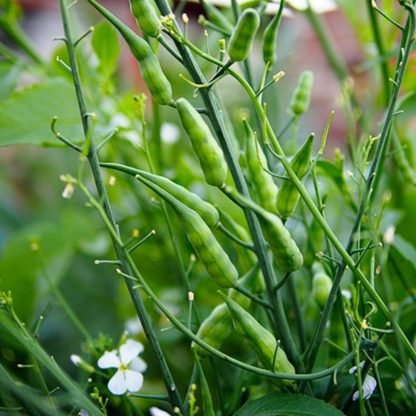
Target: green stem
119,249
380,48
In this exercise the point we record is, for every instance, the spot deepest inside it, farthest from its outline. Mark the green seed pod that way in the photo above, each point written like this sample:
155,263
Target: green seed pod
207,211
155,79
264,187
302,95
151,71
146,17
288,195
321,284
243,35
270,37
206,147
285,251
215,259
215,329
261,340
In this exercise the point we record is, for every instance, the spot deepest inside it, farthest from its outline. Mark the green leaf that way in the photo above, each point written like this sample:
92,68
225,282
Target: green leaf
25,117
9,74
39,250
276,404
406,250
107,48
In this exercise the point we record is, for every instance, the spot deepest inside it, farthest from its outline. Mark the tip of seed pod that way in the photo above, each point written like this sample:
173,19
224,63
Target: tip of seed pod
118,271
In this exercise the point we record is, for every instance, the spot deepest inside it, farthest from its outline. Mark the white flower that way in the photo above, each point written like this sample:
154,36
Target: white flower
155,411
75,359
133,326
388,237
369,386
169,133
353,370
129,367
83,412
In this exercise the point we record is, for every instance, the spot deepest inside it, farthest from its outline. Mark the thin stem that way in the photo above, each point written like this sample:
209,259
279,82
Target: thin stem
119,249
23,337
256,370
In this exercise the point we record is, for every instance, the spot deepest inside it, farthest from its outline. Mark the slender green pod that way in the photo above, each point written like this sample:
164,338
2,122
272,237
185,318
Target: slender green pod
150,68
243,35
301,97
218,325
263,185
146,17
321,285
285,250
206,210
270,37
288,195
210,155
217,17
261,340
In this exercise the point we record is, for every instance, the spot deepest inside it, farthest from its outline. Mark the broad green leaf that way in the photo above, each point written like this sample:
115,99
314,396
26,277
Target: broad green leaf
39,250
107,48
25,117
276,404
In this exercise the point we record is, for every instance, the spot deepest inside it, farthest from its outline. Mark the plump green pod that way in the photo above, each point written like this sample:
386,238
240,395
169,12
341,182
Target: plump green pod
285,251
146,17
264,187
243,35
302,95
155,79
288,195
150,68
215,259
321,285
206,147
270,37
215,329
261,340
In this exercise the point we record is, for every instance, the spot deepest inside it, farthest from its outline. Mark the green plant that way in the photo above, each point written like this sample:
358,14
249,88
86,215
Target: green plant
304,265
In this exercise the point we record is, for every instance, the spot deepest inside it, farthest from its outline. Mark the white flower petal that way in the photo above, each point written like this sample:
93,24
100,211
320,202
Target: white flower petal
133,326
117,384
319,6
133,380
109,360
137,364
129,350
155,411
369,386
83,412
75,359
169,133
